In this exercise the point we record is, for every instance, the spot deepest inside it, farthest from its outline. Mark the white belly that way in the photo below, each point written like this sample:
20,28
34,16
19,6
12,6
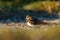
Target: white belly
29,24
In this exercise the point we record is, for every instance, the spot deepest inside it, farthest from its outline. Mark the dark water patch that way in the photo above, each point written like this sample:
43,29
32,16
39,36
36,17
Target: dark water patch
15,15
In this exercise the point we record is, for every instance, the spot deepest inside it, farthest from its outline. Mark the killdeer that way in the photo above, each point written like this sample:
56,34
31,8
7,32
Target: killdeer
31,21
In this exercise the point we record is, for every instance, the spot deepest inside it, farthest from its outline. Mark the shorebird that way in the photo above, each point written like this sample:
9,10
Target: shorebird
31,21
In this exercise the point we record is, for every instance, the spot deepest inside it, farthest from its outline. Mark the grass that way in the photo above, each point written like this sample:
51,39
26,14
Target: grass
44,5
53,33
39,5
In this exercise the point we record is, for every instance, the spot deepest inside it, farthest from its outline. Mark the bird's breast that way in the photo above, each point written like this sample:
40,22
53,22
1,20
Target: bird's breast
29,24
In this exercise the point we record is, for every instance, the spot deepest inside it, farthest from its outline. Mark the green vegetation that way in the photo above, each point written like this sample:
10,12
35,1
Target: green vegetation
48,6
35,5
53,33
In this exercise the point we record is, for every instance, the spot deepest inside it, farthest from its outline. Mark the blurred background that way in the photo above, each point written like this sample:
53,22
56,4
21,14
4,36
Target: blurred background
16,10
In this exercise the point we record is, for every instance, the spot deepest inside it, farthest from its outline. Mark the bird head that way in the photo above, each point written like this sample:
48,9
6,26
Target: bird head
28,17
